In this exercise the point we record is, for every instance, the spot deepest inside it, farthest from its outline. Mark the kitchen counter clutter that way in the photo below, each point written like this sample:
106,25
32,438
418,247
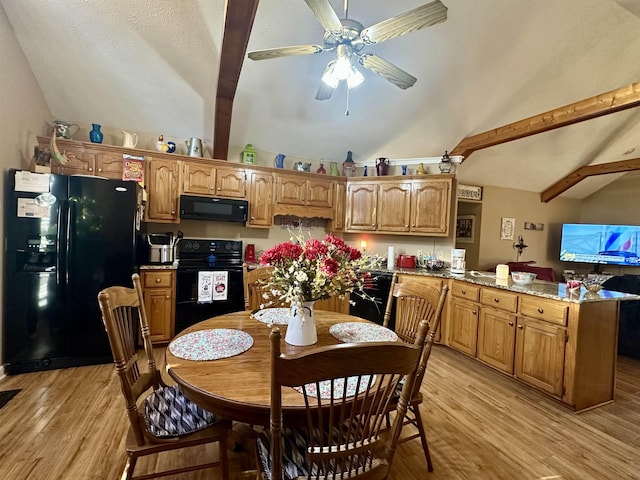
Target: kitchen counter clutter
553,290
562,343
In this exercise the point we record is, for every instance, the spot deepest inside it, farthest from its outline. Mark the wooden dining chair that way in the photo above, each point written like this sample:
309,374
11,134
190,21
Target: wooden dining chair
256,292
165,420
341,437
411,309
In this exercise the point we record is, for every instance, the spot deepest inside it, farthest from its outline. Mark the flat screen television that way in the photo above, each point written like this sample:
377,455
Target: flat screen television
605,244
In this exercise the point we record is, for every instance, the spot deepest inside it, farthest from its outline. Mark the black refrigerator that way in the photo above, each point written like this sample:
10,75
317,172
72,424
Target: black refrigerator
66,238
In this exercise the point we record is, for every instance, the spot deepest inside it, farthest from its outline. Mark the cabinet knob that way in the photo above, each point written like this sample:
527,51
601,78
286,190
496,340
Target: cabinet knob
497,300
413,225
158,280
540,310
253,218
90,169
511,324
520,326
168,297
219,188
173,212
212,188
474,312
99,169
464,292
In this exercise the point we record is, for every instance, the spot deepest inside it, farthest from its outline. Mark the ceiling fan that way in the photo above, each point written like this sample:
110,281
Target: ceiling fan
349,37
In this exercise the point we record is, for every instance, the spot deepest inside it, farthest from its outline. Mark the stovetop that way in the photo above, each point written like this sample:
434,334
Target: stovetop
195,252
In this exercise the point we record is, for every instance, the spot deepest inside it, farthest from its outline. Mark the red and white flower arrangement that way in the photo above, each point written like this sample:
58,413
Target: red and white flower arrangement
309,270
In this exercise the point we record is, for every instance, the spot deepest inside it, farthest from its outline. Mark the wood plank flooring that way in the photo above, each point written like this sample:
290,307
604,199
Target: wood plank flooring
70,425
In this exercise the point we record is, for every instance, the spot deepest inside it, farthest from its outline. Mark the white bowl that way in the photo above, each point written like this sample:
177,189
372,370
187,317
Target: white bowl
523,278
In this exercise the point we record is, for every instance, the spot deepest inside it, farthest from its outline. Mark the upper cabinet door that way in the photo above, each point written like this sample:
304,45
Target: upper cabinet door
394,202
162,187
291,189
431,206
231,182
362,206
260,199
199,179
320,193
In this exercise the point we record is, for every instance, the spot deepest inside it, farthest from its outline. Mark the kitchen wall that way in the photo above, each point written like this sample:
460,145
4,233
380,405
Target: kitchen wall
543,245
24,115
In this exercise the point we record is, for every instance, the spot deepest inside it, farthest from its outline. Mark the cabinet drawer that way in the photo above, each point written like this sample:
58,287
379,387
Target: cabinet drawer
499,299
542,309
157,279
465,290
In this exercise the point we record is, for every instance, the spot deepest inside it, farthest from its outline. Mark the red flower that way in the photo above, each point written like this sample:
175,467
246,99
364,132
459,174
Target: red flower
330,267
354,253
281,253
337,242
314,248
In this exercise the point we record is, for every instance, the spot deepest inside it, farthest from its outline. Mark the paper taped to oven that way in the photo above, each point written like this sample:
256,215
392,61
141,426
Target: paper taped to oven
212,286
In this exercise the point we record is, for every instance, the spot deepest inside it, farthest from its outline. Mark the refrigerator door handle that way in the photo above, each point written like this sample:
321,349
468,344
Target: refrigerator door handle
70,219
59,239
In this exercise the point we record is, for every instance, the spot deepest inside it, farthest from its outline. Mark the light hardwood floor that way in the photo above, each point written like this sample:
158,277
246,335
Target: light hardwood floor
70,424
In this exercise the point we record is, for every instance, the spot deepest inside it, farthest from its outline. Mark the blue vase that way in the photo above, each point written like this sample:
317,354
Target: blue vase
95,135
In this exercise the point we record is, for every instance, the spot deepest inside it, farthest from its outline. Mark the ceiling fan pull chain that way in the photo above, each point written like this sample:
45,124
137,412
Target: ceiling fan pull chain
346,8
346,113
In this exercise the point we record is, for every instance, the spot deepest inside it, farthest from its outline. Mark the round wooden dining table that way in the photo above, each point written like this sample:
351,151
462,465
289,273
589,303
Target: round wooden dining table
238,387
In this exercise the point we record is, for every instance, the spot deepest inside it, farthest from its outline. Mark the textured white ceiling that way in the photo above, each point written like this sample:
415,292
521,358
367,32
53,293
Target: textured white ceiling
151,66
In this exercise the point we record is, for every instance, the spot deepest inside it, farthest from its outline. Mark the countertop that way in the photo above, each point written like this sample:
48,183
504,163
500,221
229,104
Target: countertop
160,266
553,290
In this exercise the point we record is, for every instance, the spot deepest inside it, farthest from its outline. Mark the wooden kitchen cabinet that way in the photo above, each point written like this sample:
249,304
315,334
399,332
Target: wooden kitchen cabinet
362,207
86,160
565,349
162,179
462,328
496,328
339,206
159,302
261,186
540,349
298,190
431,206
394,201
411,206
200,178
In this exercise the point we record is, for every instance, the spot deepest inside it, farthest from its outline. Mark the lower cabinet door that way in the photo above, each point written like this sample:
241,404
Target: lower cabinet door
463,327
497,338
159,306
540,348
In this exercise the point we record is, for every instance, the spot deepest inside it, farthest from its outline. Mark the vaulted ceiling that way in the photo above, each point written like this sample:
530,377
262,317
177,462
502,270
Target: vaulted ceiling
152,66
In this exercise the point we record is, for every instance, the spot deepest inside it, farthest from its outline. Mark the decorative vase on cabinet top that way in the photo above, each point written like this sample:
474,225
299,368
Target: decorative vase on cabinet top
321,169
382,166
95,135
334,169
348,166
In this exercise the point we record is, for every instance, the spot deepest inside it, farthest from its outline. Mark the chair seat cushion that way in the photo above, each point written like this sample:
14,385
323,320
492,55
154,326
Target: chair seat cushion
168,413
295,459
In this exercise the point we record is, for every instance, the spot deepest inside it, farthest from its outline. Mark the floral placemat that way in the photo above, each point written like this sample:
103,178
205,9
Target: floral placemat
273,316
211,344
359,332
338,387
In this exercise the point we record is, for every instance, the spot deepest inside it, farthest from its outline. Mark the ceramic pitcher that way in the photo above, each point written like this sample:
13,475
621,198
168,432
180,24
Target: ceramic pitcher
130,140
278,161
382,166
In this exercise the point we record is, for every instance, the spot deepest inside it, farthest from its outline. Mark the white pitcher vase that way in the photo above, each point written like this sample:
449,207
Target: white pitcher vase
302,327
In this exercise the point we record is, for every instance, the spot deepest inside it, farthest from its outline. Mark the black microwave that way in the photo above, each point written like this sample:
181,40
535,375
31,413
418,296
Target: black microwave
213,209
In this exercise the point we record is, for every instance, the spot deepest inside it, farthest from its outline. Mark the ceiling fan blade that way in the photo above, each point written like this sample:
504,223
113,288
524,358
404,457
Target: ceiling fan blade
324,91
424,16
326,15
388,70
284,52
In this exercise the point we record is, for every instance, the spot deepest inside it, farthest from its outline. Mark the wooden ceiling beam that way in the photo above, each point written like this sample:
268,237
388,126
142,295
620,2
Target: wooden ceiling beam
581,173
597,106
239,16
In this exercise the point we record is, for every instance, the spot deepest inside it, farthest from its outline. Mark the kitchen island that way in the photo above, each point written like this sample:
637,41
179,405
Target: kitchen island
563,343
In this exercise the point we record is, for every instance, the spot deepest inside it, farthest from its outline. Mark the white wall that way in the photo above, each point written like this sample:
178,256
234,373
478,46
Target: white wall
24,115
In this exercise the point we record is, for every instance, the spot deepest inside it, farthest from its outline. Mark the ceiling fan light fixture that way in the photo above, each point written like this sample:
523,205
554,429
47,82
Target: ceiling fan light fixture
329,77
355,78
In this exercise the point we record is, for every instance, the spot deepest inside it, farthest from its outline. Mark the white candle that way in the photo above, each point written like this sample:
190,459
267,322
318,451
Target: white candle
502,271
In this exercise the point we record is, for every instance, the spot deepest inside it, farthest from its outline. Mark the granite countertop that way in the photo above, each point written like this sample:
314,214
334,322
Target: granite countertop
160,266
553,290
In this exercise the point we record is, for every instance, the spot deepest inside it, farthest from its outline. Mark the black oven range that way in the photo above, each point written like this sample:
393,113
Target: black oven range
209,280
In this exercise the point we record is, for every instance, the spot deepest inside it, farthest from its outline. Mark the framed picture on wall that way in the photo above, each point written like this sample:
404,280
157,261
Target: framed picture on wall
507,228
465,227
